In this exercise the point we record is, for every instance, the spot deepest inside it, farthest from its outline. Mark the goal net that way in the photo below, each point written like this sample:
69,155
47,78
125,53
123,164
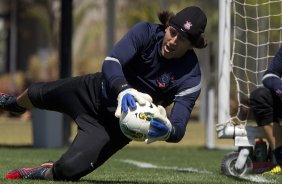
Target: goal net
257,35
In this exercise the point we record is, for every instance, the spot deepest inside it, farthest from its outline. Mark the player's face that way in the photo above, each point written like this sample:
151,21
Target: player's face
174,44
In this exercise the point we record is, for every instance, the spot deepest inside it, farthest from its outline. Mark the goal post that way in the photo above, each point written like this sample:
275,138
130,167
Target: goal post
224,61
223,81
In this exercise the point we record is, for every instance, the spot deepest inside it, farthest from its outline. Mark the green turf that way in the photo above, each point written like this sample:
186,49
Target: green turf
206,164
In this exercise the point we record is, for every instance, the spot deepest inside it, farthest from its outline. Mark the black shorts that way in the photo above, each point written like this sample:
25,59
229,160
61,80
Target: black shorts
266,106
98,136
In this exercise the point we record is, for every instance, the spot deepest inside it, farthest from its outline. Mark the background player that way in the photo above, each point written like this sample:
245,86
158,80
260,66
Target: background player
266,105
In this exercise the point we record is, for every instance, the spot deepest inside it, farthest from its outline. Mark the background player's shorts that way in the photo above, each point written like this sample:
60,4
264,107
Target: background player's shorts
266,106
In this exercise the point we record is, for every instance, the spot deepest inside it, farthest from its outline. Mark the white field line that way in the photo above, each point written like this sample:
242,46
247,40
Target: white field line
152,166
146,165
256,178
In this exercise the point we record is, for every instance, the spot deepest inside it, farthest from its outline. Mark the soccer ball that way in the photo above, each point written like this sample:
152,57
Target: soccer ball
135,123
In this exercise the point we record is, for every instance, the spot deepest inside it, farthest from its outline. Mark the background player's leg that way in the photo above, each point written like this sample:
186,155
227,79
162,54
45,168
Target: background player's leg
262,106
271,134
267,107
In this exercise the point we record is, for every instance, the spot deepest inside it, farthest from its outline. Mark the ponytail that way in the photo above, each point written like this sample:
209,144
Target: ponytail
201,42
164,17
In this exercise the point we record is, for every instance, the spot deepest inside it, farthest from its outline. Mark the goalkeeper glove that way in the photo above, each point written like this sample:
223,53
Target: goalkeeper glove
128,98
160,127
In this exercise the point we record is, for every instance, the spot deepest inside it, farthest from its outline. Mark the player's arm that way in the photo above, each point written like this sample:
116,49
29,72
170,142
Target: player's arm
272,77
172,129
181,111
123,53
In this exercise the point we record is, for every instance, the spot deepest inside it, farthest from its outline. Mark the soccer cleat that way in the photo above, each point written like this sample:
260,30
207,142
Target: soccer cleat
275,170
8,103
36,173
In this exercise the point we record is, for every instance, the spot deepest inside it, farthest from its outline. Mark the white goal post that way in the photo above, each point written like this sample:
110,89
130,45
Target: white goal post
224,61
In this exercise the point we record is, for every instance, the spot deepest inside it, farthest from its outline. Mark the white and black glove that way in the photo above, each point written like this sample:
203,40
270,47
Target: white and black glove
128,98
160,127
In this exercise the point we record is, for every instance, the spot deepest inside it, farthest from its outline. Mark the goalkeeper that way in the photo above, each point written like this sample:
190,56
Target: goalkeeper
266,105
151,62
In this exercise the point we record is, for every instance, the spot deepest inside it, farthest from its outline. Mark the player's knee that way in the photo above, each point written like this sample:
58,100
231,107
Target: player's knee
71,169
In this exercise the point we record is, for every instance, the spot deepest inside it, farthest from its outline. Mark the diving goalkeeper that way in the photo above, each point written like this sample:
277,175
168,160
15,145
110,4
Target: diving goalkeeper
151,62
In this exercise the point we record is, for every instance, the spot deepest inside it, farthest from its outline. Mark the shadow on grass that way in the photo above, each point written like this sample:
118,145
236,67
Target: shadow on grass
16,146
111,182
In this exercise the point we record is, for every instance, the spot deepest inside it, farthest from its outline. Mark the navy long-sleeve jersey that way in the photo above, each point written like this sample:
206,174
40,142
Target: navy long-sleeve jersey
272,77
136,61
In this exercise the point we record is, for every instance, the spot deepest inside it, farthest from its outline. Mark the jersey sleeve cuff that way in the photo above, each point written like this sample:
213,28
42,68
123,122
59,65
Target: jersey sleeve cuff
120,85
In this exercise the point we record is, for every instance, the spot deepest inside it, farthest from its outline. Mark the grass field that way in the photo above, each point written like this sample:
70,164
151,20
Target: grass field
187,162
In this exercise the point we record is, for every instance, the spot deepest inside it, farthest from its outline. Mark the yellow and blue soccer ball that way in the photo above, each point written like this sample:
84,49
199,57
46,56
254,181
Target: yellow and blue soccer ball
135,124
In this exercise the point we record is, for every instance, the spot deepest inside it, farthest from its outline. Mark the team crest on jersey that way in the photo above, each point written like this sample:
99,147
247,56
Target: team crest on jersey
165,79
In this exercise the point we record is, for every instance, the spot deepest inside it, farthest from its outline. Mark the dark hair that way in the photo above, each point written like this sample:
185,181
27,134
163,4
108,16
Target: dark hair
201,42
165,17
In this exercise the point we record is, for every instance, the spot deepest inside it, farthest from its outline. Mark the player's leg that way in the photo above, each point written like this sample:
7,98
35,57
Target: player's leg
269,132
89,151
38,92
77,161
93,145
99,135
24,101
267,108
54,95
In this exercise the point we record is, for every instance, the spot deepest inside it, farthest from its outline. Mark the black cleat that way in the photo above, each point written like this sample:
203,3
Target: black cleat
36,173
9,103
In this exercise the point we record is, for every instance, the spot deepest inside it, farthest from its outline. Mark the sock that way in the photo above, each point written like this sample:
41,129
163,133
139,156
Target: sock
278,155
